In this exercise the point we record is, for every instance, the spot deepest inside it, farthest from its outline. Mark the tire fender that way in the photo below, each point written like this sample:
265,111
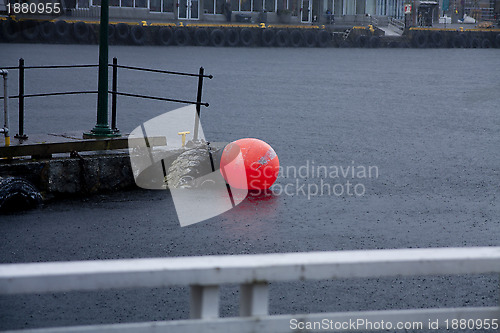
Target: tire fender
10,30
296,38
268,37
181,37
17,194
324,38
30,30
246,37
165,36
310,38
217,37
81,31
201,37
282,38
47,31
232,37
122,31
138,35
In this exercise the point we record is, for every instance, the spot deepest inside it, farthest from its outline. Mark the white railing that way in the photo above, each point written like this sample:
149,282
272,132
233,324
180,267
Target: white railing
204,275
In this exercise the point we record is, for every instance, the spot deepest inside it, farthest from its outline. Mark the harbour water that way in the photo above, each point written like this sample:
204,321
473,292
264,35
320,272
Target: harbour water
427,119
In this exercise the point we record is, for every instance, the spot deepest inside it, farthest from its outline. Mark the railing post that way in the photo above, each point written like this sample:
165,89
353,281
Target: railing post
198,104
5,129
113,95
204,302
21,134
254,299
102,129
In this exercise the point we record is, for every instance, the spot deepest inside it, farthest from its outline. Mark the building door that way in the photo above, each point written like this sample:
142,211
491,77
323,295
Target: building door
306,11
189,10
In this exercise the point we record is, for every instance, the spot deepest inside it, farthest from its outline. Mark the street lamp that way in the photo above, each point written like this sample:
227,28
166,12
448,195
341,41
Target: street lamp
102,129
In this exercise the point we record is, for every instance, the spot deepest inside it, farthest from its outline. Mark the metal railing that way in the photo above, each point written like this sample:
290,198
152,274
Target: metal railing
253,273
399,24
114,92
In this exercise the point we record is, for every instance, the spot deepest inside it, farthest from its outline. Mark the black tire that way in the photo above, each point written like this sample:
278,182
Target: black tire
497,41
310,38
486,44
201,37
246,37
420,40
188,167
282,38
296,38
267,37
466,39
324,38
137,35
475,43
122,32
437,39
217,38
61,31
393,45
181,37
17,194
458,41
232,37
361,41
47,31
111,32
165,36
345,44
374,42
81,32
404,45
10,30
30,30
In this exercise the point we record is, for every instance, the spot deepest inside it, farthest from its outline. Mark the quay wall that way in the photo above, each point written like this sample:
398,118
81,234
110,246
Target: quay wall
241,35
75,175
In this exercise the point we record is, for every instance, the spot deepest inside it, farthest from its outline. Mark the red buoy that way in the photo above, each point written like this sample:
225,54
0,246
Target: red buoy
249,164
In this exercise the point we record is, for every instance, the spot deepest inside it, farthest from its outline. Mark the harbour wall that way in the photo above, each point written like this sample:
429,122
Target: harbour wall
74,175
242,35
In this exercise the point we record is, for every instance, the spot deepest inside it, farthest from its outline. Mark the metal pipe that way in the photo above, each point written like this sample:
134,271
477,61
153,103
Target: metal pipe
5,129
198,103
21,134
113,95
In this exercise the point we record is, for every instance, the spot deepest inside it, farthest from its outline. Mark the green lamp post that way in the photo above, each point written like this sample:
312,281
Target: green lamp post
102,129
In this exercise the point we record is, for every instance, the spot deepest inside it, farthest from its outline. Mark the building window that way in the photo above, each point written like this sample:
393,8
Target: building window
213,6
338,7
82,4
235,5
246,5
257,5
209,6
270,5
168,6
294,7
350,7
360,6
155,5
